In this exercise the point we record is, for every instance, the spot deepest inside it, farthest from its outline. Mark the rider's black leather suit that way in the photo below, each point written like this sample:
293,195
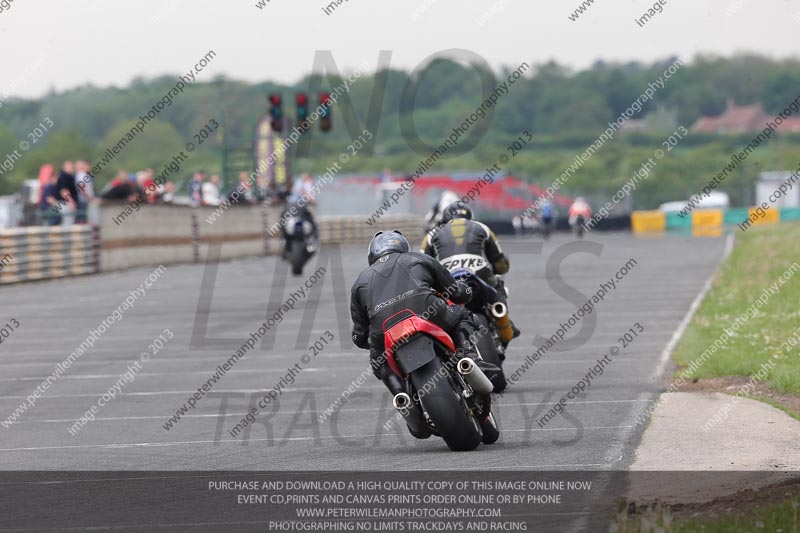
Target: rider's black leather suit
399,281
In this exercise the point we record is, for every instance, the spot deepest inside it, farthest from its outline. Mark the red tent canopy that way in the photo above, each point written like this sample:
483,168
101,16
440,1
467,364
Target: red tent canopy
505,193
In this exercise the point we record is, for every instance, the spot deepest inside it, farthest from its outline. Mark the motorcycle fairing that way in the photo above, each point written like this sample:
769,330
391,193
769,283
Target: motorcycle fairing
403,327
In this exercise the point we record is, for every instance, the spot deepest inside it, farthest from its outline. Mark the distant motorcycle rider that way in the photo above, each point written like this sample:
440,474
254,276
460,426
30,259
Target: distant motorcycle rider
300,210
459,234
579,208
434,216
398,279
546,213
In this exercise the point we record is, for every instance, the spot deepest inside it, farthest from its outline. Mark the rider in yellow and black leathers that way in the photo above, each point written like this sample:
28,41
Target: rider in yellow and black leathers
459,234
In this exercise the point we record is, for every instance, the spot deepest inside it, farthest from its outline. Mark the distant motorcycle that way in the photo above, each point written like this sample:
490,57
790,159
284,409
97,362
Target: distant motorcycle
491,313
434,216
302,243
578,226
578,213
444,395
547,227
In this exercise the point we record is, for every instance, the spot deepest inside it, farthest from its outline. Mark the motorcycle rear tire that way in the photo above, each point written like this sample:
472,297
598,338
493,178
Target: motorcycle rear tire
298,258
490,430
446,408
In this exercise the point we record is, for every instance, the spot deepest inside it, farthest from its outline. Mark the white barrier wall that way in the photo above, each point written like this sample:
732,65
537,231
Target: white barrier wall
155,235
173,234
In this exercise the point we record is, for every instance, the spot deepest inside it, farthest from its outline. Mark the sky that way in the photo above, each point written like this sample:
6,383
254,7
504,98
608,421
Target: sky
69,43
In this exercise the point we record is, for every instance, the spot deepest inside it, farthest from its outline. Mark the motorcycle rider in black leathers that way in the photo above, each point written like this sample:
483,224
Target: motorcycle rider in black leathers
296,209
398,279
459,234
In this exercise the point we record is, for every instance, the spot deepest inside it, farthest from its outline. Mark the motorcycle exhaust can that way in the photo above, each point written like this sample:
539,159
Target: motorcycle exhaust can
410,412
475,376
500,314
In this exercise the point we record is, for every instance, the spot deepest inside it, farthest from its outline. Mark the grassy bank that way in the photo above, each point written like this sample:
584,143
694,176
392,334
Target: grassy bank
761,256
776,517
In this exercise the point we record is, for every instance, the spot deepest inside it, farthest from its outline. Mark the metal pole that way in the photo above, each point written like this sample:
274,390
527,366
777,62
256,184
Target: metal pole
287,163
195,236
222,138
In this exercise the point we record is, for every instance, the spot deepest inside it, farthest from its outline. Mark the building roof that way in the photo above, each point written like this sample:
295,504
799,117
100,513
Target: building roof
789,125
735,119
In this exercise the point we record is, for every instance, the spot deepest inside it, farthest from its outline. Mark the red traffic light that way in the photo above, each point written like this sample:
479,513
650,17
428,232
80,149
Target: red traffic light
325,102
302,99
276,112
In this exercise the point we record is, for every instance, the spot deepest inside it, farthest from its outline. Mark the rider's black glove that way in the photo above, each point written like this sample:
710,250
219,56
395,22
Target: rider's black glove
463,293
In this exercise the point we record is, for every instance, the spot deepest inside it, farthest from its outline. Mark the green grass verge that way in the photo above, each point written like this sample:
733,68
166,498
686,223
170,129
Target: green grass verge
762,254
780,517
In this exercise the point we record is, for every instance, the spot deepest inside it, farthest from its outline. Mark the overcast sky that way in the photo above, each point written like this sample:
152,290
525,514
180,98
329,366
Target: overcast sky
66,43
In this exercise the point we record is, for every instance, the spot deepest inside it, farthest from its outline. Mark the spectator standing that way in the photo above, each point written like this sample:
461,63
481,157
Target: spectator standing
50,201
85,184
246,195
196,188
66,180
169,193
44,180
263,191
308,190
151,189
121,188
305,189
285,191
67,194
211,193
271,195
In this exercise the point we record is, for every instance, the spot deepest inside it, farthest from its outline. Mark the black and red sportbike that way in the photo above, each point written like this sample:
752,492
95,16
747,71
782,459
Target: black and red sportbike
444,395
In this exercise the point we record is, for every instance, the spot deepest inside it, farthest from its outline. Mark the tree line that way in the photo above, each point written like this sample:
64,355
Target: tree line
565,110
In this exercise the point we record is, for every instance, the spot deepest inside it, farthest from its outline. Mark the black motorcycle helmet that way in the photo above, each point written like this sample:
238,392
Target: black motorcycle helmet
388,242
457,209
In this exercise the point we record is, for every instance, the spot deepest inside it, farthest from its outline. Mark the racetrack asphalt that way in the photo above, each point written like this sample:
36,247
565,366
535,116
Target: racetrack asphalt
212,309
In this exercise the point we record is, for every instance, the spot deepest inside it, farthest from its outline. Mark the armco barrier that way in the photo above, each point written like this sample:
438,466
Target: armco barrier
156,235
28,254
353,229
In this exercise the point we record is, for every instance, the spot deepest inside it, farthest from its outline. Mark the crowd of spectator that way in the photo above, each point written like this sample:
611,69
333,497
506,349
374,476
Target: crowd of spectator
140,185
66,194
204,192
